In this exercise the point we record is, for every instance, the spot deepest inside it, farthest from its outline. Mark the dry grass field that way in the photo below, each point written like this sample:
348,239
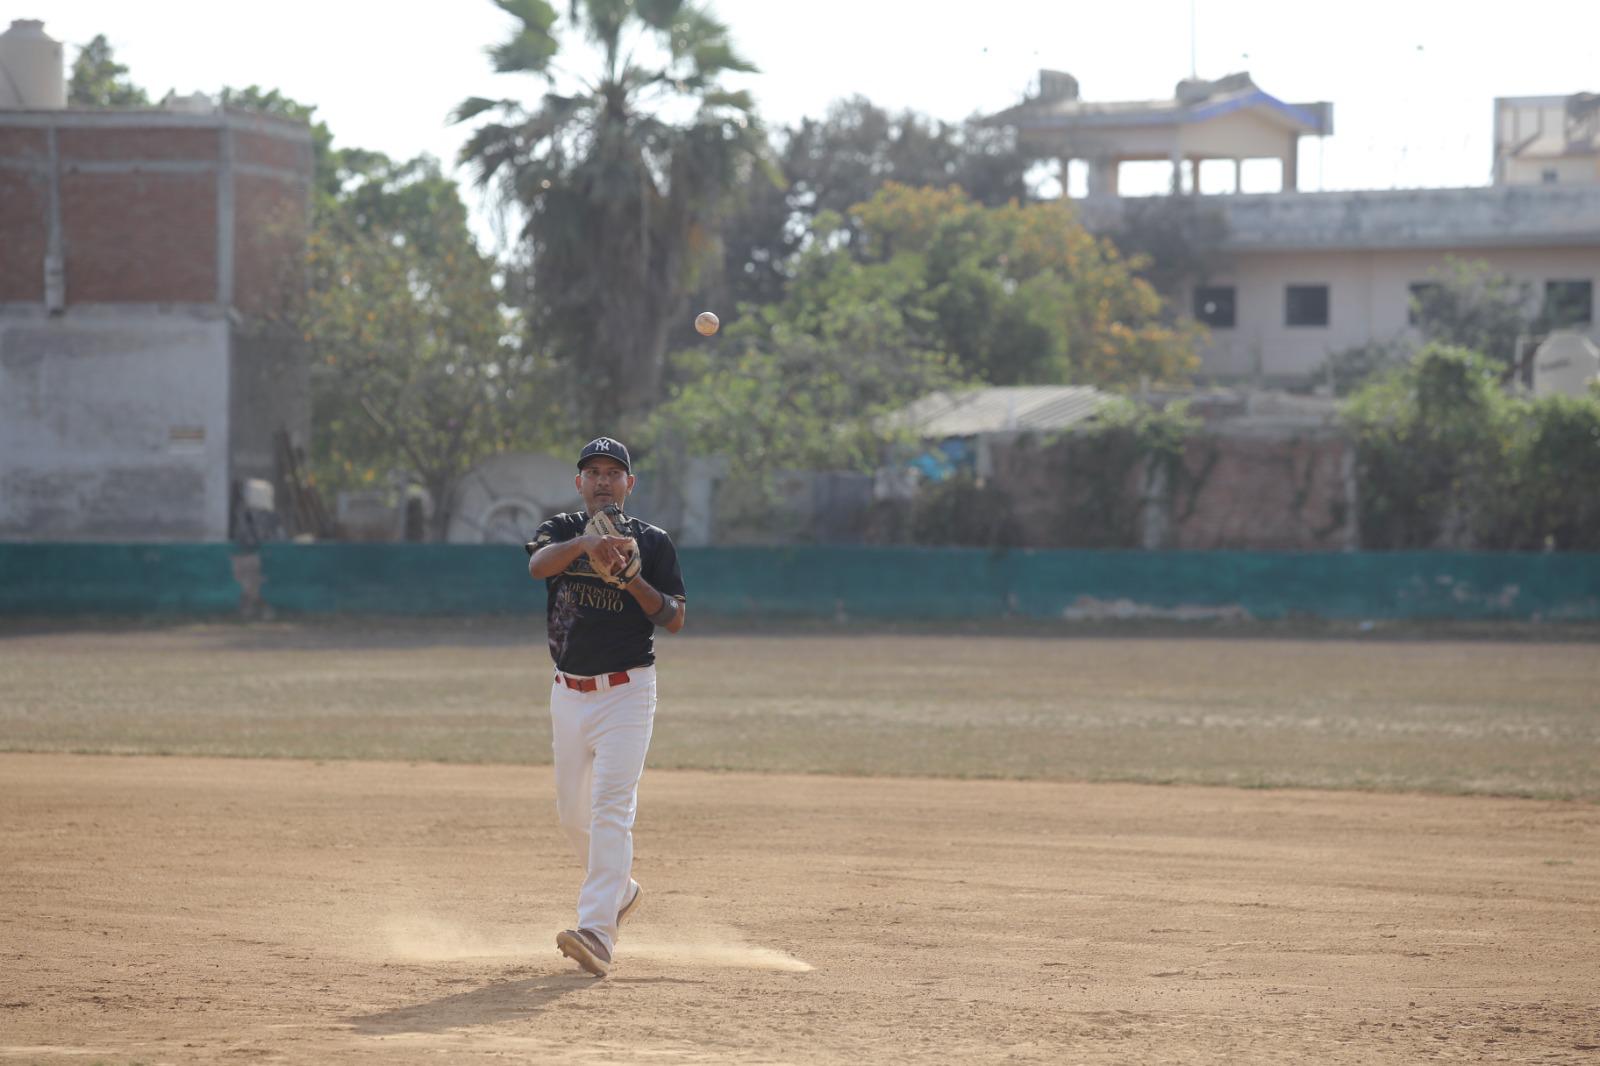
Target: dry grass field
859,846
1477,716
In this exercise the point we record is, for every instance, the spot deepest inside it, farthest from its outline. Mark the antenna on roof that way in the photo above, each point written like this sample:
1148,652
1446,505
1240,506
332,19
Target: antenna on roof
1193,73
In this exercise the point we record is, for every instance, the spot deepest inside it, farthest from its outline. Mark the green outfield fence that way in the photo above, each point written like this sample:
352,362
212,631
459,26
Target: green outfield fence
815,582
38,579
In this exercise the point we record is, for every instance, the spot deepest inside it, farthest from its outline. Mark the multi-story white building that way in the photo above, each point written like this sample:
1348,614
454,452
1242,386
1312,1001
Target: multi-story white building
1304,274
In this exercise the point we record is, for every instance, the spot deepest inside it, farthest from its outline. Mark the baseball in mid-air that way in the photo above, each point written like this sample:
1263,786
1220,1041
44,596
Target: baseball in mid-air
706,323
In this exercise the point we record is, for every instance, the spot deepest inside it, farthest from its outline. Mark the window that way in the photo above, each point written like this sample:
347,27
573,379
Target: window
1421,293
1306,305
1213,305
1548,175
1568,303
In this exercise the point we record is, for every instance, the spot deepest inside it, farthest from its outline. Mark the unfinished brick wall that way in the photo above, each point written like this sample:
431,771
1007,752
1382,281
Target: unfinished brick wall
152,207
1070,493
1239,490
1264,493
24,225
270,222
139,238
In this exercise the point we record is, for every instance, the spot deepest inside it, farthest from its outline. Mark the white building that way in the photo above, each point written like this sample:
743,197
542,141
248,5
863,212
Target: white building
1303,274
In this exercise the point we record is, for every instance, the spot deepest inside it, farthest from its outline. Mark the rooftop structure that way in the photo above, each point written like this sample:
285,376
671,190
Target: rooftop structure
1547,140
1229,119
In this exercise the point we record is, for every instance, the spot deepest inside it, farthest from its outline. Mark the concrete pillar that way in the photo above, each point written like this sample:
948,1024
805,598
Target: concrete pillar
1177,171
1102,177
1238,176
1291,168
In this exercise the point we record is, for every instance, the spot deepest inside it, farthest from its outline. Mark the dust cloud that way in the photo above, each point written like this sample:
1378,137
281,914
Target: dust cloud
417,938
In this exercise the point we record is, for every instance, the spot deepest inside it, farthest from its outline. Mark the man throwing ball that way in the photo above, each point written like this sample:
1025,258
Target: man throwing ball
611,581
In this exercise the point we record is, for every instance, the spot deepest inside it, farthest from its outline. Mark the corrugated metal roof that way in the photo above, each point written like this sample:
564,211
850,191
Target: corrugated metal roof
1001,409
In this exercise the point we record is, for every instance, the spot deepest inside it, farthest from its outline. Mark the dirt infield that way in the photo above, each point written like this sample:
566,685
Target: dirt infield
220,910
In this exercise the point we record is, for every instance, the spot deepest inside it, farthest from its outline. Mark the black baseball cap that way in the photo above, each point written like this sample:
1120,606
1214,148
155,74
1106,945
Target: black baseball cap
609,447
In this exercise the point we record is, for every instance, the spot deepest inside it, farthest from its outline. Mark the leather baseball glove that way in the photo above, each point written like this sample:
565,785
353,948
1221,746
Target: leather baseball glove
608,522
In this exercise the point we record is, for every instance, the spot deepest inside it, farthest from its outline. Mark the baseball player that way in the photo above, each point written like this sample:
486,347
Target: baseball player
612,580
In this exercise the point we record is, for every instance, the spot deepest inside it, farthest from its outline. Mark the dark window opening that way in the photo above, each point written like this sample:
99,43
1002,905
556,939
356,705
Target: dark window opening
1306,305
1568,303
1421,293
1214,306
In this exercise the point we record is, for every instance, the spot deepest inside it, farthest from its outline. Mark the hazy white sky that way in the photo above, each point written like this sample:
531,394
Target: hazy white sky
1412,81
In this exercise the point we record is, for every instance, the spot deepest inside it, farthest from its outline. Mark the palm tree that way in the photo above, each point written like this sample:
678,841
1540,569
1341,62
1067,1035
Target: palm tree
619,182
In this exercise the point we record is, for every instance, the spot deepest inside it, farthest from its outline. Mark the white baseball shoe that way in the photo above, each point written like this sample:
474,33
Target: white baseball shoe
586,949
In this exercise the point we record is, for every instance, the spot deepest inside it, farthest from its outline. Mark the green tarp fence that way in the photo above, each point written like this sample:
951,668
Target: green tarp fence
817,582
47,579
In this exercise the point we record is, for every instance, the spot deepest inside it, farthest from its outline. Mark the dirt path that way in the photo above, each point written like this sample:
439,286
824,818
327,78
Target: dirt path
192,910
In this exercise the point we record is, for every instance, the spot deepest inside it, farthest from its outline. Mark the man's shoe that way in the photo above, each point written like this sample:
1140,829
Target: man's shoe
586,949
632,905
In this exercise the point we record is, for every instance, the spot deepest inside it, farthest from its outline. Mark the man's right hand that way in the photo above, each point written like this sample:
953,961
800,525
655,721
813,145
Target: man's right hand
608,553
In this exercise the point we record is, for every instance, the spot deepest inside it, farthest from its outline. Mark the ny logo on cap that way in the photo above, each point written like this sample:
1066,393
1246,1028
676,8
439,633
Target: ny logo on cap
601,444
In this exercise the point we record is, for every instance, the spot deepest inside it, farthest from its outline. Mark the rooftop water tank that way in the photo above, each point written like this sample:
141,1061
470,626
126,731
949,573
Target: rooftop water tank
193,104
1565,364
32,68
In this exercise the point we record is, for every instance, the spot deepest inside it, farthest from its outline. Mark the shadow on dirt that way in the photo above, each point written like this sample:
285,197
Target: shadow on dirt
492,1004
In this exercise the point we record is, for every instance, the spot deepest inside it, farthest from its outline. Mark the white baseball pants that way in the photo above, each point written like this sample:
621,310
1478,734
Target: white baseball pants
600,740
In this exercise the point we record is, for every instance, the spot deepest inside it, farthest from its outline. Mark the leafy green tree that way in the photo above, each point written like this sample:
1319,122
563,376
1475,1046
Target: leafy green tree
1446,458
418,369
1348,369
1173,241
1468,304
621,199
416,365
936,292
98,80
842,159
1555,476
803,385
1431,447
1022,293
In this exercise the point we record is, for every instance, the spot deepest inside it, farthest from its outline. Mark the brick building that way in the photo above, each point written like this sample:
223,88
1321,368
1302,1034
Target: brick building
150,264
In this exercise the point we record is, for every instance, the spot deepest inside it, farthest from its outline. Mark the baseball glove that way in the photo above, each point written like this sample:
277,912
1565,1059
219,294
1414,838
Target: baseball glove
608,522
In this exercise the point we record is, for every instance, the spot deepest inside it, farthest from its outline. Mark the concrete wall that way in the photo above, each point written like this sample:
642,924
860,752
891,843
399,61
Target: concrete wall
269,390
1483,217
1568,171
114,425
1524,216
1369,299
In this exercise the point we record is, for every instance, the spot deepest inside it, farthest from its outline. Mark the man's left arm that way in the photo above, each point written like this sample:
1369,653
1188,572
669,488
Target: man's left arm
665,611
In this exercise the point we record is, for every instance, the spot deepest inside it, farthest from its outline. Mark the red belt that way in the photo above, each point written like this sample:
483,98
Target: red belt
589,684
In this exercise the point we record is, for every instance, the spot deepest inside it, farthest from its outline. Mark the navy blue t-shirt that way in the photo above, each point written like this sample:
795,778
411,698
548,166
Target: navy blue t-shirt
596,628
